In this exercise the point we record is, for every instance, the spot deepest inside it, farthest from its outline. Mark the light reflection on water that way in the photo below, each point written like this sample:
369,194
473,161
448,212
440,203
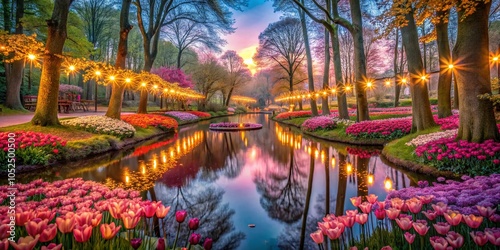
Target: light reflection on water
268,177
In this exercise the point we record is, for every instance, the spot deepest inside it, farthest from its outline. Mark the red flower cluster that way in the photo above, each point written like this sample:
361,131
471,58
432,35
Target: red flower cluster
25,139
145,120
363,153
293,114
200,114
380,129
450,122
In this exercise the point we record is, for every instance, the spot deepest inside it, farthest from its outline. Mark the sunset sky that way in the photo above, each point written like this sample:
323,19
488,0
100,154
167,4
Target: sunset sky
249,24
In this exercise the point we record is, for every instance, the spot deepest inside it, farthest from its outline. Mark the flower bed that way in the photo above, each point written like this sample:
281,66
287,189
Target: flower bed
449,214
182,117
292,115
102,125
200,114
317,123
450,122
146,120
426,138
78,214
461,156
381,129
234,126
31,148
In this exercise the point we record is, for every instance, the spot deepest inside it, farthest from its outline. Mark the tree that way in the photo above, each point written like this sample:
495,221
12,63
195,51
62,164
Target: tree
47,102
208,77
282,44
115,102
174,75
477,119
445,73
237,73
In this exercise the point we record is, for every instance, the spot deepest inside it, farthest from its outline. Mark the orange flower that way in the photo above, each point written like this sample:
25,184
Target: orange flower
108,231
130,219
473,221
453,217
65,225
162,211
25,243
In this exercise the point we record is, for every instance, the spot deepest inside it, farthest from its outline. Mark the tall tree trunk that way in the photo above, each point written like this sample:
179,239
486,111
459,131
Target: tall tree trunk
179,57
397,86
456,104
325,109
421,108
477,119
116,99
47,104
14,71
143,100
310,77
337,66
445,74
229,94
359,61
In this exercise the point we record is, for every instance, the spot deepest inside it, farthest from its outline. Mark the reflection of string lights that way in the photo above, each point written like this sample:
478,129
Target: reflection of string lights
333,161
348,168
144,179
288,138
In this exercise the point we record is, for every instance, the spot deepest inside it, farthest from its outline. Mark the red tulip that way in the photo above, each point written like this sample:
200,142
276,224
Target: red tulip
372,198
193,223
65,225
453,217
52,246
25,243
455,239
180,216
35,226
136,243
392,213
442,227
473,221
23,217
493,235
380,214
421,227
82,233
150,210
162,211
409,237
49,233
194,239
108,231
438,243
479,238
207,244
160,245
356,201
404,223
317,237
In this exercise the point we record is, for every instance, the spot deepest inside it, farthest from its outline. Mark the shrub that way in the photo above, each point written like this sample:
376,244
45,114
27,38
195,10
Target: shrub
32,148
102,125
380,129
317,123
146,120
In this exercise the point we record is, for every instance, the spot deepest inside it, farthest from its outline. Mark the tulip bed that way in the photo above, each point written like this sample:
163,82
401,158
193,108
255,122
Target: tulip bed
31,148
447,215
317,123
200,114
78,214
182,117
292,115
380,129
146,120
102,125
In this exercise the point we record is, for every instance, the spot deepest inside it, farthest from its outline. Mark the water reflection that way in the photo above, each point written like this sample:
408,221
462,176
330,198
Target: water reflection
275,178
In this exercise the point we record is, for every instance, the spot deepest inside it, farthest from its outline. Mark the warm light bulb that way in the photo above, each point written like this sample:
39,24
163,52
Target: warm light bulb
387,83
450,66
333,90
348,88
31,57
155,86
403,80
128,80
369,84
71,67
370,179
388,183
98,73
112,78
424,77
143,84
495,58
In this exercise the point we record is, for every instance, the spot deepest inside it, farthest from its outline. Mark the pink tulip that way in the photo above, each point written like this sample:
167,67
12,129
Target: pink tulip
334,233
385,248
162,211
65,225
421,227
136,243
440,208
4,244
351,212
130,219
207,244
150,210
453,217
473,221
52,246
409,237
116,209
82,233
479,238
392,213
108,231
493,235
372,198
431,215
180,216
485,211
356,201
194,239
455,239
442,227
160,245
397,203
438,243
426,199
84,218
361,218
404,223
45,214
97,219
348,221
49,233
317,237
193,223
414,205
4,230
25,243
36,226
23,216
380,214
365,207
323,226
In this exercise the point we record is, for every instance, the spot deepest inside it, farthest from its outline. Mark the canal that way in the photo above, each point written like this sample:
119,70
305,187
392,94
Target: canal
250,189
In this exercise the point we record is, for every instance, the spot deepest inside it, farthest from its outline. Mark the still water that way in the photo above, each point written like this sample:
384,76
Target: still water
268,178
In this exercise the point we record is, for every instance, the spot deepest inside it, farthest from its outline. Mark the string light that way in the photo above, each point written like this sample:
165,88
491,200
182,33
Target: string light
450,66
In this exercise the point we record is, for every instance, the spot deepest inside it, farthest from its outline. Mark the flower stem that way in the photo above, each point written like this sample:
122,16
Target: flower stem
177,235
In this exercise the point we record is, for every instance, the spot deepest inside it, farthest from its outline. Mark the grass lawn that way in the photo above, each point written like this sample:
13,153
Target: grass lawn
397,148
8,111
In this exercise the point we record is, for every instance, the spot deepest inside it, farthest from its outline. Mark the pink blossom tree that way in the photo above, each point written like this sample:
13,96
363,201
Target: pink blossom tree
174,75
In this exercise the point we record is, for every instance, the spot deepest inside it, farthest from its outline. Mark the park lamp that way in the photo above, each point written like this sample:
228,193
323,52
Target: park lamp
334,90
348,88
72,68
348,168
